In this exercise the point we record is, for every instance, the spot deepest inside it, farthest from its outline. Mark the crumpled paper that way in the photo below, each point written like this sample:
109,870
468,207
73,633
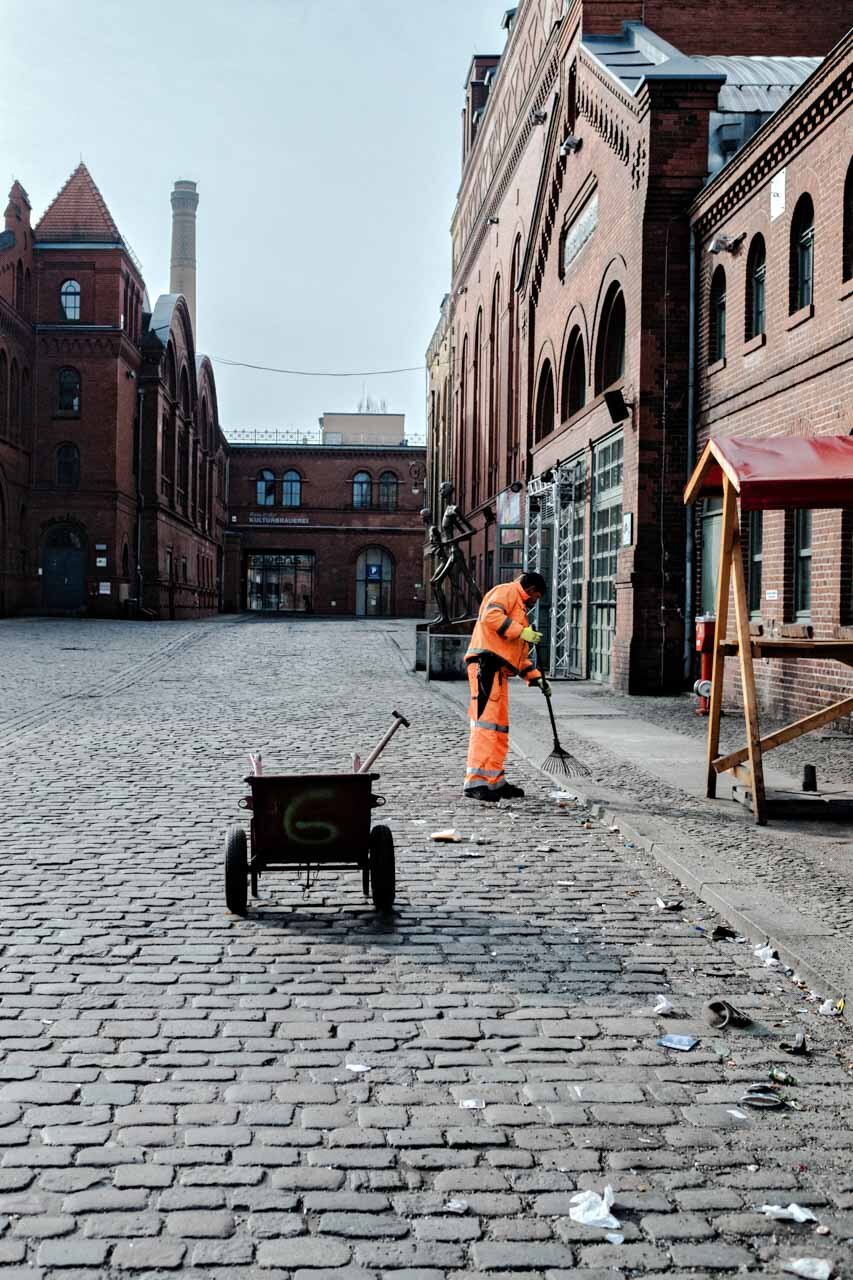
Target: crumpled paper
592,1210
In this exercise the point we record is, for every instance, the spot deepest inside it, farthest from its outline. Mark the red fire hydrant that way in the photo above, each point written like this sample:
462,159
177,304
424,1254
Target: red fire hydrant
706,631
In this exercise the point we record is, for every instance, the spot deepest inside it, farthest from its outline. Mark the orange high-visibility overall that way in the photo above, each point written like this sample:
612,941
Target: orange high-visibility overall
496,653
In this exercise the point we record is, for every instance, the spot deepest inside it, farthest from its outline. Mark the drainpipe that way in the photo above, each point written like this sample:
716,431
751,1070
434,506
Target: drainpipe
140,403
690,522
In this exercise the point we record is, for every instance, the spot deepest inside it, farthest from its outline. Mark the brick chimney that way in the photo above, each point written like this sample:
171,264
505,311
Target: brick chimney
183,272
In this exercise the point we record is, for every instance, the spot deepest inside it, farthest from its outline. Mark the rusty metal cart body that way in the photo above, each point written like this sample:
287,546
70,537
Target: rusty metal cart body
317,821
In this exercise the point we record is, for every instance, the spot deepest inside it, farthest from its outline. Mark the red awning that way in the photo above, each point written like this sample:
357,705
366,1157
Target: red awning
779,473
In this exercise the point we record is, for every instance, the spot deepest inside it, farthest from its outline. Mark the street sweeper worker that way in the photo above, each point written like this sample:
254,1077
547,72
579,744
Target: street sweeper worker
499,649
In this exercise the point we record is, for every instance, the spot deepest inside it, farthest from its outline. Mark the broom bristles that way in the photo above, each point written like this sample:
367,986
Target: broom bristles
560,761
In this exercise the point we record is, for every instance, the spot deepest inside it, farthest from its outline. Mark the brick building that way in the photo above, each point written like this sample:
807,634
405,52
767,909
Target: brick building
572,373
111,457
774,239
330,527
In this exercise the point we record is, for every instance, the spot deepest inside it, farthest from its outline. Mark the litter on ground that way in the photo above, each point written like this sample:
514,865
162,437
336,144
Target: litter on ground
451,836
793,1213
593,1210
682,1043
811,1268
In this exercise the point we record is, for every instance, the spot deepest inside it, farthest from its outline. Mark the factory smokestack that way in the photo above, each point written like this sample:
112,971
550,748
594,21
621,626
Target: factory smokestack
183,272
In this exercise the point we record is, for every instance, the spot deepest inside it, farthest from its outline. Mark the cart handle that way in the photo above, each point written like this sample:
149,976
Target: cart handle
398,720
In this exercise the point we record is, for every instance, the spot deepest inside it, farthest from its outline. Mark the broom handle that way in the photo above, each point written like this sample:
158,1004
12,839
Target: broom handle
548,700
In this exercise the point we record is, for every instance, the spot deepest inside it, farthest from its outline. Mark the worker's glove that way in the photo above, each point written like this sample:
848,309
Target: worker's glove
543,685
530,636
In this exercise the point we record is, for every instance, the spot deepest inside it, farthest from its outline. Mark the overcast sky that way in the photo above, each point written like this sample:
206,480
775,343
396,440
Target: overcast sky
325,139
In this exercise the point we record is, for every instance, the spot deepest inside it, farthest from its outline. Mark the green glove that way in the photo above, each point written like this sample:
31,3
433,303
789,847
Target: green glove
530,636
544,686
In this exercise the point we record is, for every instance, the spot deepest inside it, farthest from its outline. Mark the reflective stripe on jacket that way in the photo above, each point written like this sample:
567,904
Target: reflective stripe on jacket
497,632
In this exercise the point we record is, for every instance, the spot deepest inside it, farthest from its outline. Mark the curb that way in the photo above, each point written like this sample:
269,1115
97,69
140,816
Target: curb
733,915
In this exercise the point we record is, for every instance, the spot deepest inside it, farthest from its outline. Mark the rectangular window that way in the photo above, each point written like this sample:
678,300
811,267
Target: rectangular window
758,300
510,552
802,565
805,267
712,524
754,558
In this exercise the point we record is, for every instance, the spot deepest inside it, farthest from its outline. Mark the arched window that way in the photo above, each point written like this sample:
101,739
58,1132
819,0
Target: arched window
14,399
265,489
847,232
4,391
28,292
802,255
68,466
388,486
69,391
610,349
573,389
185,393
69,297
374,584
361,489
476,415
171,372
19,285
512,364
717,317
756,271
291,490
544,422
462,424
494,390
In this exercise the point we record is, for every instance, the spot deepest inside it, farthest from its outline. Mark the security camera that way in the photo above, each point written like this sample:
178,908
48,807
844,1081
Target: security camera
570,144
493,222
726,244
538,117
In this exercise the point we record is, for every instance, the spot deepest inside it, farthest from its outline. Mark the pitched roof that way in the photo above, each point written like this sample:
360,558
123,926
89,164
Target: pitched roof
79,212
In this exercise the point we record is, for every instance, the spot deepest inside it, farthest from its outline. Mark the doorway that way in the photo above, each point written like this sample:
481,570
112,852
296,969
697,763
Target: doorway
374,584
64,570
280,583
605,539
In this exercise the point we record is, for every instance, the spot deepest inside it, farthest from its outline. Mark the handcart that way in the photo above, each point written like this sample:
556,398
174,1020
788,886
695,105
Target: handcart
316,822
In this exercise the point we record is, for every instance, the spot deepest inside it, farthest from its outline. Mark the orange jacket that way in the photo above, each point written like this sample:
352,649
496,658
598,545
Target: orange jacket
497,632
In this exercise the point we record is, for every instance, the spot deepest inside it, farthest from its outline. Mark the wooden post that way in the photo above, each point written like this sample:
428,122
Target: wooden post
719,668
747,679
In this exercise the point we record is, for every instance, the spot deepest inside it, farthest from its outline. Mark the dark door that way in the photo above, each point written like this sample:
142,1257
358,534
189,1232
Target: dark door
64,570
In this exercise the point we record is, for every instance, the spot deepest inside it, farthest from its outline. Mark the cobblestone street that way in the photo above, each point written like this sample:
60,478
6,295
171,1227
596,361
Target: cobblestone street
313,1091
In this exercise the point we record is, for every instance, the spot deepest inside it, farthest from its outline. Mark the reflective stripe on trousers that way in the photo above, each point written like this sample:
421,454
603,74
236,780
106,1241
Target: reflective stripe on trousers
489,737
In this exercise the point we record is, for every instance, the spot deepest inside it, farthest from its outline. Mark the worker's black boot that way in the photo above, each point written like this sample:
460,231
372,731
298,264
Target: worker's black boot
482,793
509,792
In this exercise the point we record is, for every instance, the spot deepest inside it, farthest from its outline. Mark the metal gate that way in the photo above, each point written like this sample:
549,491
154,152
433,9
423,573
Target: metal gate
606,536
555,548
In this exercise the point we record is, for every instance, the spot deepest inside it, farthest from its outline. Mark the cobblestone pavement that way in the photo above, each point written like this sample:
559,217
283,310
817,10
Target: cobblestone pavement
180,1088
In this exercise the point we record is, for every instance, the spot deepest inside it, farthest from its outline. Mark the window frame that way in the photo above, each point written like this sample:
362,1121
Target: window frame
362,484
383,486
756,289
755,561
70,410
802,253
802,556
291,488
265,498
717,316
68,464
614,299
73,292
574,375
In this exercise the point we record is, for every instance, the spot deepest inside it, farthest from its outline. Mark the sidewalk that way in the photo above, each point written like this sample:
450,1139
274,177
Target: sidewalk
790,882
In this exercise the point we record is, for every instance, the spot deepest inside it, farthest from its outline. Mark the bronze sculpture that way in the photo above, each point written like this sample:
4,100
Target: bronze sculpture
443,542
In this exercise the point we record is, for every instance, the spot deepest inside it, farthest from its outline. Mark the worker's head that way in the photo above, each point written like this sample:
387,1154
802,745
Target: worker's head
533,585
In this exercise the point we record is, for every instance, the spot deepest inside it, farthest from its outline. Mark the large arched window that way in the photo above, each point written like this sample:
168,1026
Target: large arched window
544,422
4,391
171,372
847,230
512,364
462,425
361,490
68,466
69,297
14,399
265,489
802,255
28,293
291,489
494,391
69,391
388,488
573,389
610,348
19,285
476,414
717,317
185,393
756,272
374,584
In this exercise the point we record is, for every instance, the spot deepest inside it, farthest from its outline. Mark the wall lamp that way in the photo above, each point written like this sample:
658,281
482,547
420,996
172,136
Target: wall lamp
538,117
571,144
459,292
517,486
617,406
726,244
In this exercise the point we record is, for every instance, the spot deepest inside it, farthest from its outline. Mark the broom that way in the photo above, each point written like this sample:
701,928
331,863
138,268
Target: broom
561,761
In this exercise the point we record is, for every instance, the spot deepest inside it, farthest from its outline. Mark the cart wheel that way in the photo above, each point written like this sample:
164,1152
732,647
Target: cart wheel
236,870
383,878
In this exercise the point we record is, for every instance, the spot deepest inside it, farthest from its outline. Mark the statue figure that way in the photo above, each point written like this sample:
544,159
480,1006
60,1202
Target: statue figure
456,528
435,550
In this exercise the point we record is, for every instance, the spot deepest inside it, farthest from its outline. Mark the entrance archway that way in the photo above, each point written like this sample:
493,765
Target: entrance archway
64,569
374,584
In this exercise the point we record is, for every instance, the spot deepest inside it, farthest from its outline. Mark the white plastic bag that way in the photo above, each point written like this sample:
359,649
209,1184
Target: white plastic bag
663,1007
592,1210
793,1213
811,1268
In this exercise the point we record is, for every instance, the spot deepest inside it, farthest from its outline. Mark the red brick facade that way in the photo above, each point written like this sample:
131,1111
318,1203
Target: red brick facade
86,523
572,223
333,530
793,373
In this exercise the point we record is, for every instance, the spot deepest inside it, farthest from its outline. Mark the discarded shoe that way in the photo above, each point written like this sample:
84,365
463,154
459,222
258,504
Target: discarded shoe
509,792
483,793
720,1014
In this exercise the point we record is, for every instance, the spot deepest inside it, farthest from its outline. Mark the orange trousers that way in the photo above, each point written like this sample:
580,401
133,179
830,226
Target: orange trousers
489,739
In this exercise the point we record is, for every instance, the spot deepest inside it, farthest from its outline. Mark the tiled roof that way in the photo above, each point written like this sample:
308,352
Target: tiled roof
79,212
